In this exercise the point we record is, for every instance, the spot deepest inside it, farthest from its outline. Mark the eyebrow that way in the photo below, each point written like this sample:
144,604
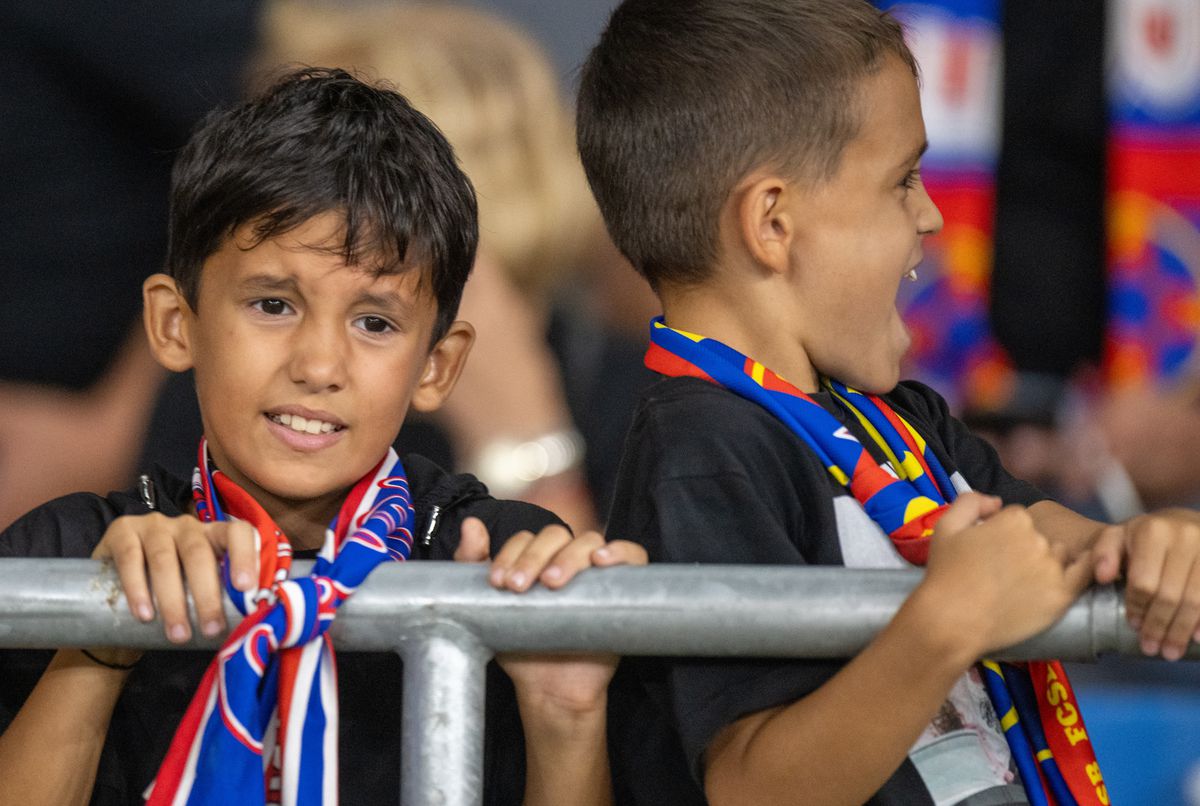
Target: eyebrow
269,282
387,301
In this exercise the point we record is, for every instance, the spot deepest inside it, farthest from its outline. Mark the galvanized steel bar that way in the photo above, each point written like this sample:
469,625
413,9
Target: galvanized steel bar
442,723
657,610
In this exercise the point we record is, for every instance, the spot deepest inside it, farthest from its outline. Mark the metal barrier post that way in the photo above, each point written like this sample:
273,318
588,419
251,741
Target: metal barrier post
442,724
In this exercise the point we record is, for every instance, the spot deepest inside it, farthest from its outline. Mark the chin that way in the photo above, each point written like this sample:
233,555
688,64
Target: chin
298,487
878,382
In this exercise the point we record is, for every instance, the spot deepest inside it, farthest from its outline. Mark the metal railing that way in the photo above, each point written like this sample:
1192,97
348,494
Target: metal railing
446,622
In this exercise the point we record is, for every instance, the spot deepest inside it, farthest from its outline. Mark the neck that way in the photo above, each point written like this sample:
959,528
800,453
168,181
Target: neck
304,522
751,318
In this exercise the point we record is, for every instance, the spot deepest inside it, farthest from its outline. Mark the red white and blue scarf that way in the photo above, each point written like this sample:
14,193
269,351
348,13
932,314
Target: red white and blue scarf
905,496
262,727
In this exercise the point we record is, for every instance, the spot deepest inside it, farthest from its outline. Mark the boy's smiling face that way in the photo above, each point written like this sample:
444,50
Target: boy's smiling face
305,367
858,233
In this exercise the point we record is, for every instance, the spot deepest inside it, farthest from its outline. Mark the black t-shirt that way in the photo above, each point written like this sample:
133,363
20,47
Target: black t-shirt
711,477
369,684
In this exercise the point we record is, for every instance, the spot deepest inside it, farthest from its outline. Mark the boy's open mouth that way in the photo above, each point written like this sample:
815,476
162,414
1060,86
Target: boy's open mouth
304,425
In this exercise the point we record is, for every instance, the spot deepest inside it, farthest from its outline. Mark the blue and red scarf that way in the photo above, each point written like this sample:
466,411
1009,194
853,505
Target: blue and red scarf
262,728
905,496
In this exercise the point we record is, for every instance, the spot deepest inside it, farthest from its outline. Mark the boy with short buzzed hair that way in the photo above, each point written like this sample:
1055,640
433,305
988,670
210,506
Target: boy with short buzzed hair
321,235
758,161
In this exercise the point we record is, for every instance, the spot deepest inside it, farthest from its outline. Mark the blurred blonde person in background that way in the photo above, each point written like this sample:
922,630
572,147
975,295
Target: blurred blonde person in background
494,94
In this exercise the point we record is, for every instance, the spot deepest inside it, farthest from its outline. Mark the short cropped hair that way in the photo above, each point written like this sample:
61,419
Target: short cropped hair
682,98
318,141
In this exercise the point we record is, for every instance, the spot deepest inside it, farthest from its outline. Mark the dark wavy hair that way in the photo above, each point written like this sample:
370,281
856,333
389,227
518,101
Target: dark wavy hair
682,98
321,140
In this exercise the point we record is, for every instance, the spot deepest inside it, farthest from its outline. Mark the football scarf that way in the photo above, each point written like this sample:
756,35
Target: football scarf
262,727
905,496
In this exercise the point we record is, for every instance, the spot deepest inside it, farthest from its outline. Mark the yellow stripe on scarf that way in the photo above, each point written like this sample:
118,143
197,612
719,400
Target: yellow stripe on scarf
693,336
876,437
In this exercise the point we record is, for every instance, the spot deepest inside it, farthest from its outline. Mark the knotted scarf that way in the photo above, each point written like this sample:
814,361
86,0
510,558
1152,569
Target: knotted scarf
262,727
905,496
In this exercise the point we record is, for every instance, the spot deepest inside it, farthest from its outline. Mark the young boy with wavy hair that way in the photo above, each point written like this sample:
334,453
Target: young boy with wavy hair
758,161
320,238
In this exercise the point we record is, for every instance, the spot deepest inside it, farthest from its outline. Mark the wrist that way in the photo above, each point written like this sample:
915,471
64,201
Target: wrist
511,467
115,659
562,715
947,632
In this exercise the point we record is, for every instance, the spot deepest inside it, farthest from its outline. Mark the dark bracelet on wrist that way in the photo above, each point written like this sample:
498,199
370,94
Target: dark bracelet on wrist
120,667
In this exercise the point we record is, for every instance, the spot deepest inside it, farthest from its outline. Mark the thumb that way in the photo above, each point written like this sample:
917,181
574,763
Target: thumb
239,542
966,510
474,542
1106,553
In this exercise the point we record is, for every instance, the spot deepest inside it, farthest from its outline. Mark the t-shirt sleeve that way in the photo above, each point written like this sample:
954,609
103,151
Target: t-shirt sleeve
974,458
505,518
70,526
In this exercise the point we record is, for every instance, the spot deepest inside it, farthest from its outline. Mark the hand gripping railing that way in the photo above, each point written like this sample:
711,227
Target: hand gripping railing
446,621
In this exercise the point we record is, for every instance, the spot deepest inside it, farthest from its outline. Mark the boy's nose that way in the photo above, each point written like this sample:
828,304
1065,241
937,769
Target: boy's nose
318,359
929,217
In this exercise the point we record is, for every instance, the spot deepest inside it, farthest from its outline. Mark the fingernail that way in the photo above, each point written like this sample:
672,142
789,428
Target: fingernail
552,573
177,633
1149,646
241,581
603,552
496,577
517,579
1136,622
211,628
1172,653
145,612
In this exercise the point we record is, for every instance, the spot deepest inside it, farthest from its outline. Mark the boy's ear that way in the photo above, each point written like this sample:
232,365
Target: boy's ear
442,367
166,315
765,224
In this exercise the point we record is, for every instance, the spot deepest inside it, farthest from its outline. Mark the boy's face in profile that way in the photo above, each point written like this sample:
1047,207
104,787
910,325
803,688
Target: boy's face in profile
860,232
305,367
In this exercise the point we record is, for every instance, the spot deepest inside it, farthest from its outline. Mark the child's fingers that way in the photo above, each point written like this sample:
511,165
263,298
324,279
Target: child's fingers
572,558
620,552
474,542
1107,553
238,540
1183,627
123,546
1148,550
166,583
202,573
507,556
1168,597
535,554
967,509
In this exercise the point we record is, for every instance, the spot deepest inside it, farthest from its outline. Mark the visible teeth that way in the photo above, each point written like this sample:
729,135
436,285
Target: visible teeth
304,426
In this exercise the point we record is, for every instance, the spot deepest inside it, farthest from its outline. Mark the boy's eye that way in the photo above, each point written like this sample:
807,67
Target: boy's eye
272,307
375,324
911,179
